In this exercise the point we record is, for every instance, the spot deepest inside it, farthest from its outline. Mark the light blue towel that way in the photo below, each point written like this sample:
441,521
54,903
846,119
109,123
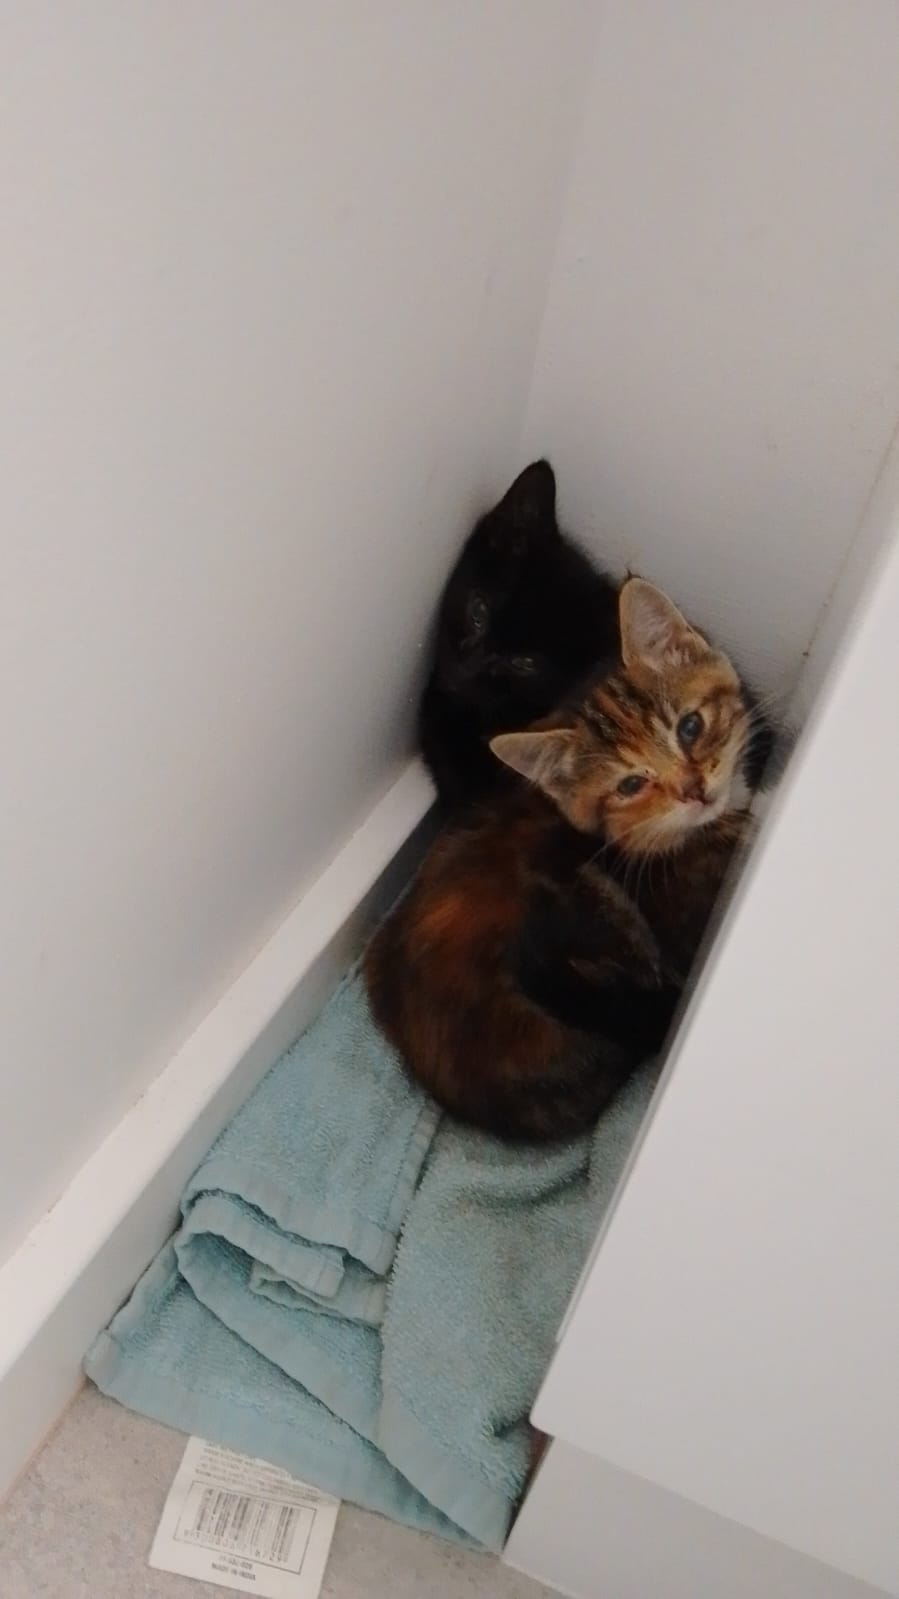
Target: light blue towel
262,1325
313,1178
488,1260
168,1357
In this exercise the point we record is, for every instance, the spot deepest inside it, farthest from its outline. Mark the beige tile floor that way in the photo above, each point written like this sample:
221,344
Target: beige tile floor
80,1523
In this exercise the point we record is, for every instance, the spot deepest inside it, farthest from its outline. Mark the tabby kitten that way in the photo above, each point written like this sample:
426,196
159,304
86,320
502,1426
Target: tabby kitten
540,953
523,616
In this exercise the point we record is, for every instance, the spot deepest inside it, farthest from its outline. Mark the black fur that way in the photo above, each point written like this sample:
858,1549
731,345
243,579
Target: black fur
523,616
764,743
623,995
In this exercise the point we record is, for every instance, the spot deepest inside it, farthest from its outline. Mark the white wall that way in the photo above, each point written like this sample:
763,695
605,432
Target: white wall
273,281
271,286
590,1530
735,1337
838,615
718,374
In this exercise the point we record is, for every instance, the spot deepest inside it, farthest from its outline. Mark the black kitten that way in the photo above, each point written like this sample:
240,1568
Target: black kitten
524,615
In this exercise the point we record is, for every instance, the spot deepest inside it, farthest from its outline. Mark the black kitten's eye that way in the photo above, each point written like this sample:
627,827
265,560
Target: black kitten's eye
689,728
477,613
525,664
632,785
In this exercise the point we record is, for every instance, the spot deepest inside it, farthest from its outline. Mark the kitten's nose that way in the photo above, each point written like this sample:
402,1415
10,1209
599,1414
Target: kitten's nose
693,788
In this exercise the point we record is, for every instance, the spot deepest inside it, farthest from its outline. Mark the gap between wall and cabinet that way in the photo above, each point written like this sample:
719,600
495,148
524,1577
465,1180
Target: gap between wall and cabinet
80,1262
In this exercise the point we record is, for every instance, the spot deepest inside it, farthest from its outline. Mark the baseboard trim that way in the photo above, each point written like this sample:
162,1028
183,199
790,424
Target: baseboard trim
82,1259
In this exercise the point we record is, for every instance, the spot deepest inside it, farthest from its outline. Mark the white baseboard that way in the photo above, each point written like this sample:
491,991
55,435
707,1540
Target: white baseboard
82,1259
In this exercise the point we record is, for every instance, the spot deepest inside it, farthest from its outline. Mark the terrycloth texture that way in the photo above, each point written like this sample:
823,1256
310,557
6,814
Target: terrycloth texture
313,1178
296,1211
501,1235
168,1357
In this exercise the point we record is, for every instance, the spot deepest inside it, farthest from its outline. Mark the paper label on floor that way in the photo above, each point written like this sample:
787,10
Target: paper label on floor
243,1524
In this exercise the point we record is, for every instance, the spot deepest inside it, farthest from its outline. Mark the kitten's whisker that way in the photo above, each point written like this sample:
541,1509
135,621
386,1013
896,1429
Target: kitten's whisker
764,702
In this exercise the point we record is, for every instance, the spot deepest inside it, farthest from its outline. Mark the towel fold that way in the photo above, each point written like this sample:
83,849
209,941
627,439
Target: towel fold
313,1177
166,1356
283,1319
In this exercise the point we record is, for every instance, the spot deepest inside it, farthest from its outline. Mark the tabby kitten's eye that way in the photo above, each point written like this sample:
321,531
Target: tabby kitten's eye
631,785
689,728
477,613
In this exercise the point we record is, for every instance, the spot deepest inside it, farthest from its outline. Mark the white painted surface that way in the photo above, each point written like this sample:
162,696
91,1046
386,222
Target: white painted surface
269,313
598,1533
837,619
718,375
735,1338
80,1262
271,284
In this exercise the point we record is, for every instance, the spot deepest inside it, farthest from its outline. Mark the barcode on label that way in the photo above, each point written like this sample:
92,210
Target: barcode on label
264,1530
244,1524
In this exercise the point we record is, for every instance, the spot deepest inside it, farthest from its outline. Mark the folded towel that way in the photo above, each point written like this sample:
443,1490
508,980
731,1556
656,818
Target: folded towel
263,1324
256,1325
313,1178
168,1357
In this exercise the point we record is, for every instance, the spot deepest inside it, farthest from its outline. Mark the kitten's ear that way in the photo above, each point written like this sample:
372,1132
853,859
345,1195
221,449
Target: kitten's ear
653,631
531,501
545,759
